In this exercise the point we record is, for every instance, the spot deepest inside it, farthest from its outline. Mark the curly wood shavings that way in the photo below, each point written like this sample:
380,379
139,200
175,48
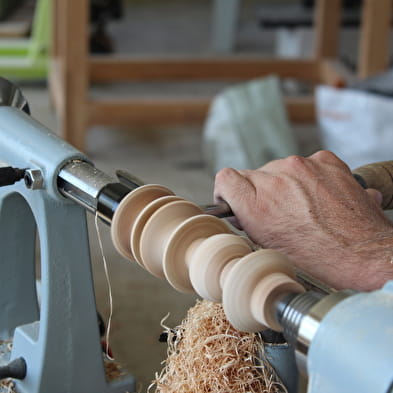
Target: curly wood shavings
7,386
207,355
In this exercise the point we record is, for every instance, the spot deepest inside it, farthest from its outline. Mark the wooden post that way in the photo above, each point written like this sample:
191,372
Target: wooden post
327,20
69,69
374,37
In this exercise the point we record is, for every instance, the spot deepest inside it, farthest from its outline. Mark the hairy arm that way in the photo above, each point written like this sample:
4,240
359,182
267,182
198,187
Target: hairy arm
313,210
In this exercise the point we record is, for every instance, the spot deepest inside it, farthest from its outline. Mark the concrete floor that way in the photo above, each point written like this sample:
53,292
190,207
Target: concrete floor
171,156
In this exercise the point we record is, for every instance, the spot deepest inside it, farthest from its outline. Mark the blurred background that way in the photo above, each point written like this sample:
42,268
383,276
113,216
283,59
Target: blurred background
173,90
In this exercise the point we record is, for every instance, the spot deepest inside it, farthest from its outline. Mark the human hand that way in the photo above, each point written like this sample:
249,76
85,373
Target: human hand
313,210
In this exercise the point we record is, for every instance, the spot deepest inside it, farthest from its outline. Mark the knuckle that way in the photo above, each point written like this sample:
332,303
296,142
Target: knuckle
295,159
227,183
326,155
224,173
295,163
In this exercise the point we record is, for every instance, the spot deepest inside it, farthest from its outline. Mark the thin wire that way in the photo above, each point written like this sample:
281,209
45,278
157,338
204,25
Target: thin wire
108,281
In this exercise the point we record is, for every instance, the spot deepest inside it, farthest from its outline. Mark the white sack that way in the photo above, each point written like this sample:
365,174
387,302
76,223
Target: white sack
247,126
355,125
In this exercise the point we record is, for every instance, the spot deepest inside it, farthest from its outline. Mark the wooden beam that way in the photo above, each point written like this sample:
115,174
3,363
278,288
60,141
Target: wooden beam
167,111
148,111
374,37
327,20
115,69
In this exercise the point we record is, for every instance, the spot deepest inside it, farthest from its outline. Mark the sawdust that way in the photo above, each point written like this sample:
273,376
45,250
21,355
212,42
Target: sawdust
7,386
114,370
206,354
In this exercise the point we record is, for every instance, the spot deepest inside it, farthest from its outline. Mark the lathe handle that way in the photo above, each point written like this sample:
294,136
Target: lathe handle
379,175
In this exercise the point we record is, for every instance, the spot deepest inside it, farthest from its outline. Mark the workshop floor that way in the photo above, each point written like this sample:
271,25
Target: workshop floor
171,156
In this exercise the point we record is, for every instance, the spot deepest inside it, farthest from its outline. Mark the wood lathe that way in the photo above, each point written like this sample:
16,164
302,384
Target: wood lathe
343,340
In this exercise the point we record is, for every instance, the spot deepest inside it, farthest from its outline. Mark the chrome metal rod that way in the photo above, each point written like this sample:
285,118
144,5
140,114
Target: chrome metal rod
91,188
97,191
128,179
82,182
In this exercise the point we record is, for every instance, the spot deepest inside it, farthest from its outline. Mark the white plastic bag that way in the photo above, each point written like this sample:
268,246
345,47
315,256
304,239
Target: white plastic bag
355,125
247,126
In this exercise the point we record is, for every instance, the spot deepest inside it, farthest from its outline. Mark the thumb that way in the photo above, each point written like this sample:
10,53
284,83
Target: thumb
235,189
375,194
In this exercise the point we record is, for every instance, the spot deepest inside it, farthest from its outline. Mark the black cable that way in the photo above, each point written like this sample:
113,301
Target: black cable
15,369
10,175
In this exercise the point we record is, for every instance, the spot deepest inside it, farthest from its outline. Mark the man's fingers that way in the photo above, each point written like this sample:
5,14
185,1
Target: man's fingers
234,188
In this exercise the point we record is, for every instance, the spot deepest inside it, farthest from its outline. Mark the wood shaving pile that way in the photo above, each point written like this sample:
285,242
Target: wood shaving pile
7,386
207,355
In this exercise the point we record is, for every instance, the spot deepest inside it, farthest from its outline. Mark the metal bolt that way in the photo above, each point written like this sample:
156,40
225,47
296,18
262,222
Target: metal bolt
34,179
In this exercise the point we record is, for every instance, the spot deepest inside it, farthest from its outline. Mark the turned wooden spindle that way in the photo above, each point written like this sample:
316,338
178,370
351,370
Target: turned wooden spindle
172,238
182,245
128,210
253,285
210,262
141,220
158,230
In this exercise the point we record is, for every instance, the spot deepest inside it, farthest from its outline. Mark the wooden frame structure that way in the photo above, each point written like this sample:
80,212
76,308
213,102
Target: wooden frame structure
72,70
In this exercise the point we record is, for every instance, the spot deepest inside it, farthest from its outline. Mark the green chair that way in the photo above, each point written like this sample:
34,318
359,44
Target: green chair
28,58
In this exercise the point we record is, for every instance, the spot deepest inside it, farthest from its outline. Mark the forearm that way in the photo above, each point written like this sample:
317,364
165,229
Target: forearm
363,266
